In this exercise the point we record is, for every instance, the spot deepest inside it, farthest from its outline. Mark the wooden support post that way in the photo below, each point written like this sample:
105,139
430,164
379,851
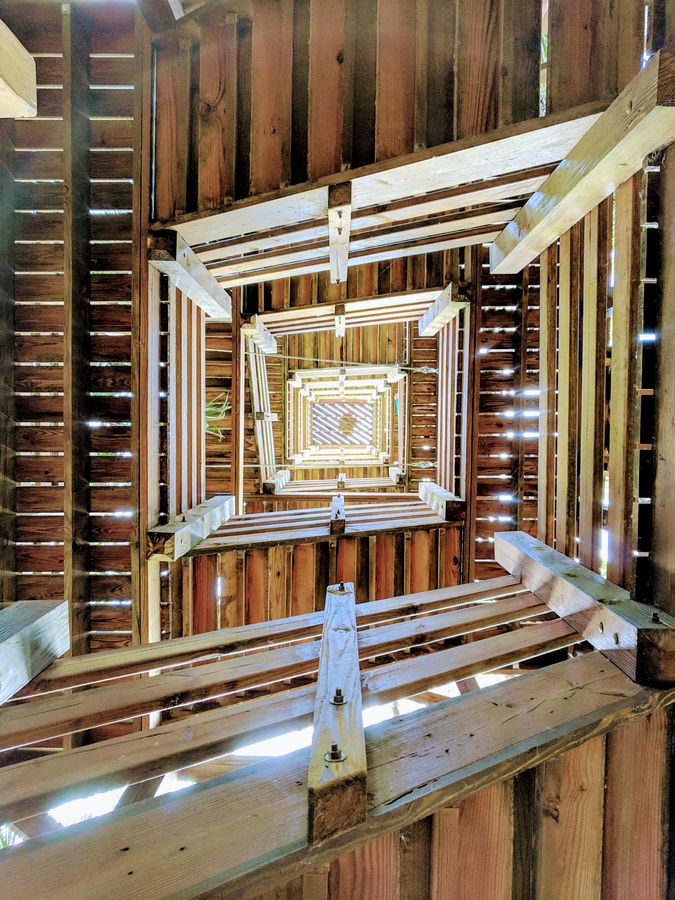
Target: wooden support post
548,302
339,218
634,636
171,255
145,344
18,82
639,121
76,265
7,428
442,502
171,541
337,514
33,633
444,308
337,764
260,335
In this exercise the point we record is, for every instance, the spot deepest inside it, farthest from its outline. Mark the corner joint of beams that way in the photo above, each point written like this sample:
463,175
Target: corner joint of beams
442,502
170,254
336,784
444,308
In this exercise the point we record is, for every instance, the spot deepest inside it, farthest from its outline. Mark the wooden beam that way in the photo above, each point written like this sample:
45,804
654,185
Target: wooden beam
160,14
418,764
639,121
444,503
33,633
636,637
337,514
18,81
171,541
336,781
444,308
277,482
170,254
339,217
260,334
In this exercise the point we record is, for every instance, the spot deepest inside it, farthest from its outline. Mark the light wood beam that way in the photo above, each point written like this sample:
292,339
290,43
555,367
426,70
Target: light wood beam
160,14
18,81
443,502
444,308
171,541
637,638
639,121
170,254
277,482
33,633
336,780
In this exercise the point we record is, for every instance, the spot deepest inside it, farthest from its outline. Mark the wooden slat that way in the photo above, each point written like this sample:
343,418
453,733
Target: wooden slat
623,629
336,780
444,308
32,635
267,849
640,120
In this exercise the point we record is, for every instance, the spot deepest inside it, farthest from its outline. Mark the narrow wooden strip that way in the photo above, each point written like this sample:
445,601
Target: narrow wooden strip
172,541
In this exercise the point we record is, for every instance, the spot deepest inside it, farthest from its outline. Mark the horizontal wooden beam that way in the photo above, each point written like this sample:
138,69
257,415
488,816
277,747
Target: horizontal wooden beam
639,121
39,784
260,334
444,503
171,255
277,482
417,764
18,81
638,638
444,308
336,779
171,541
33,633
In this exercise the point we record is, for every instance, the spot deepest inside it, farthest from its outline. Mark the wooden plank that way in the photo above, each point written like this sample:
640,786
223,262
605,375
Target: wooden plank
260,334
76,350
337,514
328,73
267,849
444,503
18,80
548,302
639,640
277,483
170,254
336,780
339,223
639,121
444,308
172,541
33,633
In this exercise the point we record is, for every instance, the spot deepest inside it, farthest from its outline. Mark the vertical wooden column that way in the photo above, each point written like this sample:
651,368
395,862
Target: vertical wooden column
238,398
663,549
568,389
548,302
7,519
470,409
144,361
597,237
76,253
624,384
519,384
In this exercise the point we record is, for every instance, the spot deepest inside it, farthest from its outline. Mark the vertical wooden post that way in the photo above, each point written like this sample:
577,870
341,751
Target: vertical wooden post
470,409
144,362
76,254
548,301
238,397
663,551
7,517
519,384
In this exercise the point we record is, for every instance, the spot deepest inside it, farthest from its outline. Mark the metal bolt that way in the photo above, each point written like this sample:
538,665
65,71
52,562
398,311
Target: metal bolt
335,754
338,697
601,626
342,585
655,618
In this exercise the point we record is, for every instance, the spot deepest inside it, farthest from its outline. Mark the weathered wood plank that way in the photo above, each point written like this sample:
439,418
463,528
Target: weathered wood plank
33,633
637,638
639,121
444,308
444,503
18,81
336,780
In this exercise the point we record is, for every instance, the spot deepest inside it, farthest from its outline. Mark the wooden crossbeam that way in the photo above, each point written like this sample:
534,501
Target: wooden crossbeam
18,81
171,541
443,502
277,482
160,14
444,308
339,217
171,255
336,780
639,121
337,514
638,638
33,633
260,334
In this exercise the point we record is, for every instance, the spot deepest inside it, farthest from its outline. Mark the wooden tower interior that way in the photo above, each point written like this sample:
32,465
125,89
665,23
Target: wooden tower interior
337,416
